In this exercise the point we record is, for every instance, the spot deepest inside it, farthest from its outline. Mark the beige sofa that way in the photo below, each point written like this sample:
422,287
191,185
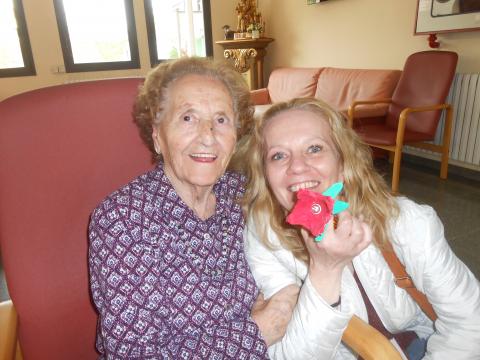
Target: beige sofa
338,87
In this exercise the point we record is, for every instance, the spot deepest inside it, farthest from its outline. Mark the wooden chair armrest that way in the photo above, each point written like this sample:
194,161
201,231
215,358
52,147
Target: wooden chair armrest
368,342
351,108
260,96
8,330
402,121
426,108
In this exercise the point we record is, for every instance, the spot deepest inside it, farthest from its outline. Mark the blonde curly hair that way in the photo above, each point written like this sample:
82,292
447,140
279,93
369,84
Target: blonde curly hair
152,98
364,189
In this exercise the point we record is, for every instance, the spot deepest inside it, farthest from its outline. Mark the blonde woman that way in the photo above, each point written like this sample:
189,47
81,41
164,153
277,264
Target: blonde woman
304,144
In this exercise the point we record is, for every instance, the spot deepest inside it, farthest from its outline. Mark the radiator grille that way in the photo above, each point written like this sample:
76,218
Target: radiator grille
464,95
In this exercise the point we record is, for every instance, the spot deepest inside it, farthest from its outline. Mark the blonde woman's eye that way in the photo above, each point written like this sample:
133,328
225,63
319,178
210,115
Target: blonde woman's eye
221,120
277,156
315,148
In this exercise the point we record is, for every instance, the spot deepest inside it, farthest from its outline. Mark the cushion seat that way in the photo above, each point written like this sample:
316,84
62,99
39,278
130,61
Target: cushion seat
381,135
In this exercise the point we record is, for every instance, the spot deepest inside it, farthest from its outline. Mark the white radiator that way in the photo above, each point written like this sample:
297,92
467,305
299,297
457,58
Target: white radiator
464,95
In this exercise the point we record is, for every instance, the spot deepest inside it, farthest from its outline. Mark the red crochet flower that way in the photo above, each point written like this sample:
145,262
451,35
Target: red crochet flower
312,211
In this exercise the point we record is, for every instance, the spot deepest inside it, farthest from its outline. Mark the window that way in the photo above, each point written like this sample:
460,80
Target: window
15,51
97,34
178,28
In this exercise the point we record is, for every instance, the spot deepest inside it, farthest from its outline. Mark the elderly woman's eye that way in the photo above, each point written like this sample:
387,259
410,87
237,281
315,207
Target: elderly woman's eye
186,118
315,148
223,120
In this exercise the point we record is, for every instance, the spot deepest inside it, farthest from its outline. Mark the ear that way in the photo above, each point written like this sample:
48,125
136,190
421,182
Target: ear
156,138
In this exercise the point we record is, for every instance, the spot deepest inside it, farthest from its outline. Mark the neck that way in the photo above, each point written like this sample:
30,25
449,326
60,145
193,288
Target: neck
201,202
200,199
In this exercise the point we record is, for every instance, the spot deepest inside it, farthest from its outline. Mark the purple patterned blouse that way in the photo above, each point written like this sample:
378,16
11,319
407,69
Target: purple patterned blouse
166,284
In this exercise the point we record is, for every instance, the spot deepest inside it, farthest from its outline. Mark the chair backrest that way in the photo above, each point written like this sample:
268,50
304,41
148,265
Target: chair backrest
340,87
425,80
62,150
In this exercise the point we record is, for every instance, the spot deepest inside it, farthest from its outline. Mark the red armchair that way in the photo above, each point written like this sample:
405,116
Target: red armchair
414,110
62,150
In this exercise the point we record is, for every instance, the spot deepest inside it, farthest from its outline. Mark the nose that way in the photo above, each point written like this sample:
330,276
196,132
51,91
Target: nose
297,164
207,137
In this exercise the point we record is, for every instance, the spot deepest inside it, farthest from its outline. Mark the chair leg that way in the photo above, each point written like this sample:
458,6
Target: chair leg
402,121
397,159
391,157
444,165
447,133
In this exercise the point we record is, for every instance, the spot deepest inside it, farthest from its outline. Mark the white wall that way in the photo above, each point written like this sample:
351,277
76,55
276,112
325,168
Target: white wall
354,34
342,33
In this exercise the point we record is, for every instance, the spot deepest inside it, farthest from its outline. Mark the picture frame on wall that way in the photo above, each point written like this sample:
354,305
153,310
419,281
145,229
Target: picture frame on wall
441,16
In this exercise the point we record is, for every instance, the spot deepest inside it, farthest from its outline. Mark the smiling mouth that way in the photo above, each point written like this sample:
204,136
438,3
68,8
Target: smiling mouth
303,185
202,157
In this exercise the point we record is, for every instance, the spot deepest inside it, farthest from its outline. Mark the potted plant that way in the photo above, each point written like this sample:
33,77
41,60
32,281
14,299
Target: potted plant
255,29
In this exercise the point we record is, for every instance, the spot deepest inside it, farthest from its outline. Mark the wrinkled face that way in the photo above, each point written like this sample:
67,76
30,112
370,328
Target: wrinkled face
300,154
197,133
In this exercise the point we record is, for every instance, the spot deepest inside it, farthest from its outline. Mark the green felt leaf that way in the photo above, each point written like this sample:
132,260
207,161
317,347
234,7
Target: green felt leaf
333,190
339,206
319,238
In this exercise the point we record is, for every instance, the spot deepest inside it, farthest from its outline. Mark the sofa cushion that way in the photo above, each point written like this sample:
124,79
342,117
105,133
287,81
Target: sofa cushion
260,96
288,83
340,87
260,110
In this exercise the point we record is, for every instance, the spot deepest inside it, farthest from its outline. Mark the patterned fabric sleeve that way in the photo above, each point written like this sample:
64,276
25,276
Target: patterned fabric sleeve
134,310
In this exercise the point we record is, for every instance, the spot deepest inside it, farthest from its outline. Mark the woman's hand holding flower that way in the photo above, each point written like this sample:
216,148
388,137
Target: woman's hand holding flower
339,246
337,249
330,249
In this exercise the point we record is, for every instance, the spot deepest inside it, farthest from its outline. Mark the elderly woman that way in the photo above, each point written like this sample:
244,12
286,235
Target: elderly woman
304,144
168,271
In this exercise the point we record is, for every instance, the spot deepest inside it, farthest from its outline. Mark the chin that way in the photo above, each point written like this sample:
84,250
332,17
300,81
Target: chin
204,180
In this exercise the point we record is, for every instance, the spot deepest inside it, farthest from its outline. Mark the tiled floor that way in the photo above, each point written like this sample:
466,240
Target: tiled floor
456,200
457,203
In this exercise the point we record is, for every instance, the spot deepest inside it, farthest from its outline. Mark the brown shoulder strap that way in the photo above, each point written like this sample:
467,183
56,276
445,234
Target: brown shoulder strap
403,280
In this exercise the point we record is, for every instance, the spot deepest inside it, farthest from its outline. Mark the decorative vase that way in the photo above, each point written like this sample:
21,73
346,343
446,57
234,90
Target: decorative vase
255,34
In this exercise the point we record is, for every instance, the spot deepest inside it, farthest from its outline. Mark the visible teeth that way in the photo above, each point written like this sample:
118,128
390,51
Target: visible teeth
304,185
203,155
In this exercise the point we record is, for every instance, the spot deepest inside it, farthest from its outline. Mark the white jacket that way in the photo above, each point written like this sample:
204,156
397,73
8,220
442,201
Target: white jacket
316,329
